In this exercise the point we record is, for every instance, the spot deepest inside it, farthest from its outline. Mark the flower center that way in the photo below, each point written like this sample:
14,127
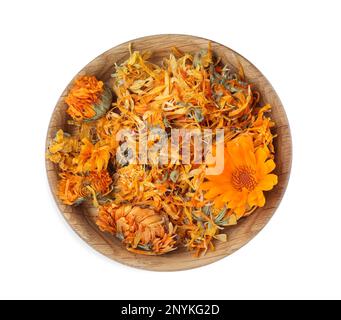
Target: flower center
243,177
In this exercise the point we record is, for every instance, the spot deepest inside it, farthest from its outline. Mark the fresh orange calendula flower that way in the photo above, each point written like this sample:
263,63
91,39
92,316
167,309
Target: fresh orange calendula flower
246,175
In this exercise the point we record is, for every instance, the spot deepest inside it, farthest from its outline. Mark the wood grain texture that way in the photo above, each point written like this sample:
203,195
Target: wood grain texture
82,218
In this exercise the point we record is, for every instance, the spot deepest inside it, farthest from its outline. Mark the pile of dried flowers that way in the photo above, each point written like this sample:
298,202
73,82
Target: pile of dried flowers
155,208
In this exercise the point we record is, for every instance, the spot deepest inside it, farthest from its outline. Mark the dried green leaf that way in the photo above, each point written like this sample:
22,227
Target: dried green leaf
174,176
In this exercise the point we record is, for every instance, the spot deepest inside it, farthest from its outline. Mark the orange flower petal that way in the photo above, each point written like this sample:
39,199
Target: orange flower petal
270,165
268,182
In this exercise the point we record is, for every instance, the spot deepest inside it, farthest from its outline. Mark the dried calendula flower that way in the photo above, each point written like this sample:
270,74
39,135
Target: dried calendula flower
71,189
75,188
142,230
100,182
92,157
62,149
88,99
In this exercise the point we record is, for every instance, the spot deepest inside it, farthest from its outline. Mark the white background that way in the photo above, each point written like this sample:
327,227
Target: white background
296,44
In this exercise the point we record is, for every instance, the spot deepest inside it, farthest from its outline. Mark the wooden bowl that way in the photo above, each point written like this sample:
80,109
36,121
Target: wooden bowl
82,218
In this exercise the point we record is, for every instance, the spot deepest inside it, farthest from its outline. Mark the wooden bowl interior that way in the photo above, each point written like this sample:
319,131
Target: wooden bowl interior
81,218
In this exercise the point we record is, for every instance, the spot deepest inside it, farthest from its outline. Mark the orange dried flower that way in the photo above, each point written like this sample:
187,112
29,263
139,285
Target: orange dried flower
92,157
142,230
88,99
100,181
62,150
71,189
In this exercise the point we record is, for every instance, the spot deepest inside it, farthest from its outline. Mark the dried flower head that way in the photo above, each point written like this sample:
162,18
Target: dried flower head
141,229
88,99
